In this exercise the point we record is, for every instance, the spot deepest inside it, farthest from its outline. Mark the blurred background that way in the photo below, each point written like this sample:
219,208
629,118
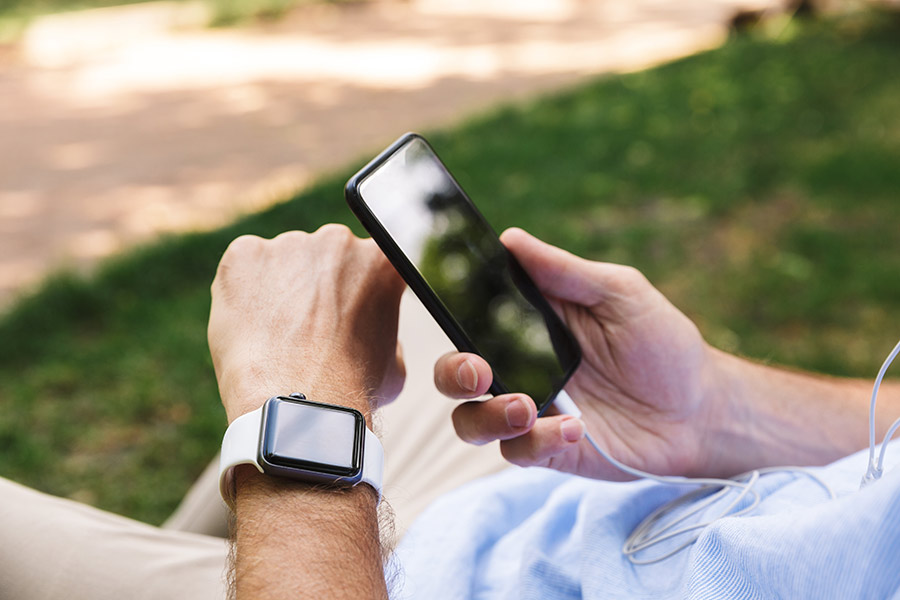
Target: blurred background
744,154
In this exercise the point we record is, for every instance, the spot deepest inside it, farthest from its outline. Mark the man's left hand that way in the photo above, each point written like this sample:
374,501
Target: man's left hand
313,313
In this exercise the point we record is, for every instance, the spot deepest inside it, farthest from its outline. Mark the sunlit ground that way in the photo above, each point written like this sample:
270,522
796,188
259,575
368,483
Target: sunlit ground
123,123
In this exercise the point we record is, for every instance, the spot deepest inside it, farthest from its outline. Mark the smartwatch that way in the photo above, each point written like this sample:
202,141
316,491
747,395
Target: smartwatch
290,436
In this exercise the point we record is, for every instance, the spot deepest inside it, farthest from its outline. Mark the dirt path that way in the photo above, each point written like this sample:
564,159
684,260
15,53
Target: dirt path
114,127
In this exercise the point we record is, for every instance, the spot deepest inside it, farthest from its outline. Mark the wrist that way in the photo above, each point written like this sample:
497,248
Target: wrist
255,489
733,432
768,416
245,389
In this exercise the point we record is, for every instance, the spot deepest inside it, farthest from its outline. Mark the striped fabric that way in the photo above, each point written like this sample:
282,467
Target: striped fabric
535,533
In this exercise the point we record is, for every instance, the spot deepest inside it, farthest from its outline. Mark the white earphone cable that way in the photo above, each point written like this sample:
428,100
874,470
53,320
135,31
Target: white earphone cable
656,529
660,526
873,469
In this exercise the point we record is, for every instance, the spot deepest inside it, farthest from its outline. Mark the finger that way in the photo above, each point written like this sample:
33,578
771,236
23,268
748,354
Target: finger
462,375
499,418
563,275
550,437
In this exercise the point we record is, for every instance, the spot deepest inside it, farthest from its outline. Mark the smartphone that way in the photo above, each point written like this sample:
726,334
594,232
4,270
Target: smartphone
454,262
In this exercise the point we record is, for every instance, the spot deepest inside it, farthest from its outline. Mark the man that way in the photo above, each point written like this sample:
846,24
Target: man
317,313
653,394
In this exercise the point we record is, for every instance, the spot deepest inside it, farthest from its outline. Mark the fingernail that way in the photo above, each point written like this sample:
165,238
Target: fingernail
572,430
517,413
467,376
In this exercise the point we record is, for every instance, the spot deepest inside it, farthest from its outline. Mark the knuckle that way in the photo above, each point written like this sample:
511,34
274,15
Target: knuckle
291,236
238,252
337,238
628,280
632,276
244,244
335,230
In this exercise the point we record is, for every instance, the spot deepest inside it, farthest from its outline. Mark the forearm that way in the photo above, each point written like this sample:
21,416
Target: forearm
296,540
776,417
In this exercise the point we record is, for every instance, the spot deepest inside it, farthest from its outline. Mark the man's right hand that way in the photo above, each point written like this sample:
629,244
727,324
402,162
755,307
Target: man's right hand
647,385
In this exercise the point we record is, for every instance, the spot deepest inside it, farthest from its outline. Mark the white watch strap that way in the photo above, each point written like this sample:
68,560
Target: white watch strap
373,462
240,446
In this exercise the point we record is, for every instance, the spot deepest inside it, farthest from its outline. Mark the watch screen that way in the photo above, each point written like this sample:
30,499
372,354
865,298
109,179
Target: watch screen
313,436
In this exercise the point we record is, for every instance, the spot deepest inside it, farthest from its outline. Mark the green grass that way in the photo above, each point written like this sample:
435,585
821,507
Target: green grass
757,185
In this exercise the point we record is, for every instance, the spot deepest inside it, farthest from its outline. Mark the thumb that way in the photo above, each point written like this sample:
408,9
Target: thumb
561,274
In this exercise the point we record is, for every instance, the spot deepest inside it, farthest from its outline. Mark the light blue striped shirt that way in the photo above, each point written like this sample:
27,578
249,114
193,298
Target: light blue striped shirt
536,533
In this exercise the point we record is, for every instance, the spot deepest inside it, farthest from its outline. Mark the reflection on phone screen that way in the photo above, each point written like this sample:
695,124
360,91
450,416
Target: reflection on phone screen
460,257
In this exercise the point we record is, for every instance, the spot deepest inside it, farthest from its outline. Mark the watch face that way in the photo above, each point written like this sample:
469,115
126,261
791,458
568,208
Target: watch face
313,437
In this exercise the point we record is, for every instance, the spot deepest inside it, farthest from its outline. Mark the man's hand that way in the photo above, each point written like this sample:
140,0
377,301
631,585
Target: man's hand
313,313
643,384
652,392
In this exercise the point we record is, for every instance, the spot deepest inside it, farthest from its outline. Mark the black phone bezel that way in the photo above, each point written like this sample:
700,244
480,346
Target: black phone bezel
426,294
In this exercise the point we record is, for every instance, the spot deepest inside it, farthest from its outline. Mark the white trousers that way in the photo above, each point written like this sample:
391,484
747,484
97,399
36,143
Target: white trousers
56,548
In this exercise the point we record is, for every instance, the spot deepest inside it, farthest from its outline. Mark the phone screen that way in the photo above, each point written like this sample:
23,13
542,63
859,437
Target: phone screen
483,299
